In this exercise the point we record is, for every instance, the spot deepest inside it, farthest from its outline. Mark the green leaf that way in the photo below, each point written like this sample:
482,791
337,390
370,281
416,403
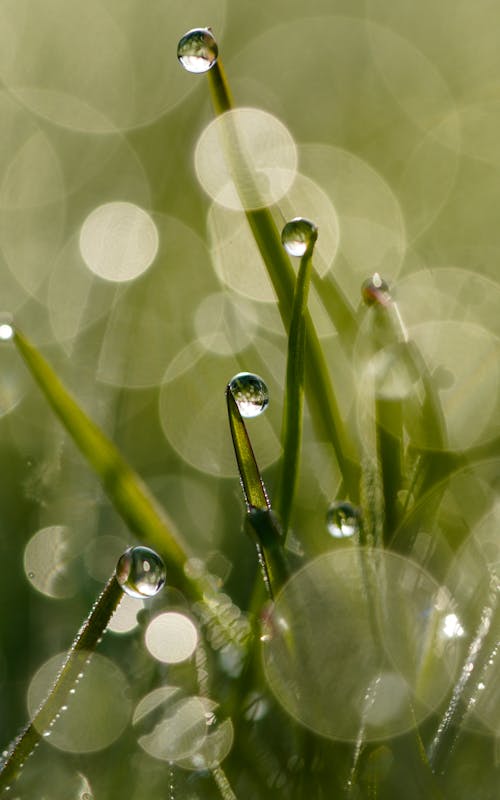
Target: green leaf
84,644
321,396
125,489
294,395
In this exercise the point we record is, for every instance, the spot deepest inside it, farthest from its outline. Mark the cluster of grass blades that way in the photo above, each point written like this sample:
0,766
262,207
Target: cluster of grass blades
354,664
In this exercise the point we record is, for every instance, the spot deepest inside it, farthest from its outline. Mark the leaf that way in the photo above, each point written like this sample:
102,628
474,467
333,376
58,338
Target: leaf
321,396
125,489
84,644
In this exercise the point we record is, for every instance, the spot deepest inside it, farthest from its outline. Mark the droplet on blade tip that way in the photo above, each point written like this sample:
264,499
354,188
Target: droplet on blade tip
298,236
375,291
197,51
250,393
140,572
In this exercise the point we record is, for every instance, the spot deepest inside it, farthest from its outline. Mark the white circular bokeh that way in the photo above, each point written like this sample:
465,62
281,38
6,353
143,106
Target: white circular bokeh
118,241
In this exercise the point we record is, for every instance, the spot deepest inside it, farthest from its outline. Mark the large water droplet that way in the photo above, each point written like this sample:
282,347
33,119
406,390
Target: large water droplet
6,327
250,392
298,236
342,520
375,291
140,572
197,50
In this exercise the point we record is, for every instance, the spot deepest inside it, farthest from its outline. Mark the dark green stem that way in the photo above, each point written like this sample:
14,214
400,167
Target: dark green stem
81,650
261,523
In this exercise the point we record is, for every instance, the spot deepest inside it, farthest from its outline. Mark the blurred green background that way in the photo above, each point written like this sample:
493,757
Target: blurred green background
147,295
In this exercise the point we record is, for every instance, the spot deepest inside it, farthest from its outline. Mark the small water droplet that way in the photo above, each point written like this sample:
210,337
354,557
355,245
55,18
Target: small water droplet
197,50
6,327
298,236
250,392
375,291
133,576
46,734
72,691
31,575
342,520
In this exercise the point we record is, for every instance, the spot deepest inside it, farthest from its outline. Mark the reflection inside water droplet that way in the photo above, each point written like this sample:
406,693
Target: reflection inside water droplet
375,291
140,572
342,520
298,236
197,50
250,393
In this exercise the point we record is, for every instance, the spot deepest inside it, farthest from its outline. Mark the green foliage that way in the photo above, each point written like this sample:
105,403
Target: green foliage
286,663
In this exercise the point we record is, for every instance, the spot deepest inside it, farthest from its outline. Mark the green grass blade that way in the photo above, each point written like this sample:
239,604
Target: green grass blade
84,644
261,524
251,480
127,492
321,397
294,395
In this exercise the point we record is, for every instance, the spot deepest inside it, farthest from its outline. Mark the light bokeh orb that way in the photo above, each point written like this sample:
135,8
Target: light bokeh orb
171,637
359,640
118,241
96,713
169,725
246,158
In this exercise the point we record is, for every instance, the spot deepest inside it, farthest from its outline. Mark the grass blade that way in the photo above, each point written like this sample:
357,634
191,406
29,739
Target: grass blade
261,523
294,394
321,397
84,644
125,489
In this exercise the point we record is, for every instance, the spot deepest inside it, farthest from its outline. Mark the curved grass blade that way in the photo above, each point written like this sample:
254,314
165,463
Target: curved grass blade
294,394
321,397
261,523
83,646
125,489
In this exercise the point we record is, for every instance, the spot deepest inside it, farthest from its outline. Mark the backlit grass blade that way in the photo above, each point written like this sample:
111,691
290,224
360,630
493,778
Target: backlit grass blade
294,394
125,489
77,658
260,522
321,397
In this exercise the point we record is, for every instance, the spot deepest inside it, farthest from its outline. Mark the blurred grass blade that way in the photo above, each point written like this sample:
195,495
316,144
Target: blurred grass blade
321,397
250,477
294,395
77,658
127,492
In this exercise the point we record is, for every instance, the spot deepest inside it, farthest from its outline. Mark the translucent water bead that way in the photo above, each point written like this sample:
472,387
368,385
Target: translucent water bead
140,572
375,290
342,520
250,393
197,50
298,236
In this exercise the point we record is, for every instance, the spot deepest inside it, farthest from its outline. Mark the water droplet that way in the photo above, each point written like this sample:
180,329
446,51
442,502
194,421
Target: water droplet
197,50
298,236
250,392
140,572
375,291
342,520
6,327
